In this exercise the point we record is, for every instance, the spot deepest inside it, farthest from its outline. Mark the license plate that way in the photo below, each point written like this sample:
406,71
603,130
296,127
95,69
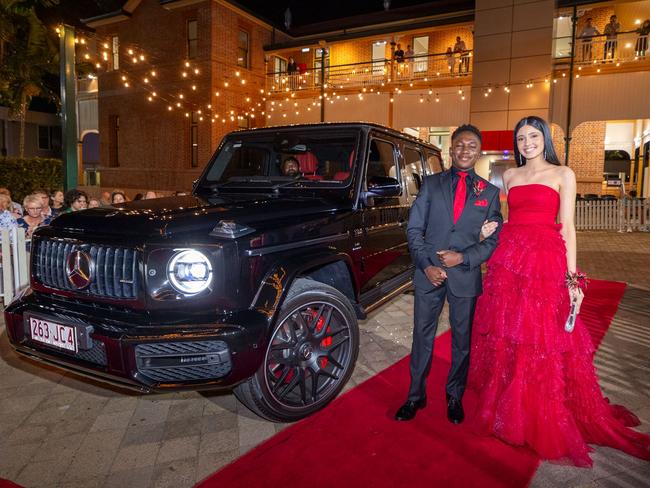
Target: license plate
53,334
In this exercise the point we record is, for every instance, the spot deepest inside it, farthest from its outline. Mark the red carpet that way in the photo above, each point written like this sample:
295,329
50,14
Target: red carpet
355,442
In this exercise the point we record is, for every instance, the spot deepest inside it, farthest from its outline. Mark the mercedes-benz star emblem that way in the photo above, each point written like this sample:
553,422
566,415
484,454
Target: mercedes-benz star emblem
79,268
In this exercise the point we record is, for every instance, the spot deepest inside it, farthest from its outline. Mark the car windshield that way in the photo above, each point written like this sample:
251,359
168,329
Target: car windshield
284,158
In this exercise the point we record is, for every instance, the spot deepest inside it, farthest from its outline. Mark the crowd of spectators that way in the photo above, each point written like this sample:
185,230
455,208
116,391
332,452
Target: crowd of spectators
40,207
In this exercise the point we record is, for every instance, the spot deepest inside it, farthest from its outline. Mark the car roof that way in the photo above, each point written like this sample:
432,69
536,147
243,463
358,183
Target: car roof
330,125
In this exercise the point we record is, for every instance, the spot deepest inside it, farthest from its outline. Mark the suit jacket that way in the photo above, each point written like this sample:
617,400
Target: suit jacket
431,228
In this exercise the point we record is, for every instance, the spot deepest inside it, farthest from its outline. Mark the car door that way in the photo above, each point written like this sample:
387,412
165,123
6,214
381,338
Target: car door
384,255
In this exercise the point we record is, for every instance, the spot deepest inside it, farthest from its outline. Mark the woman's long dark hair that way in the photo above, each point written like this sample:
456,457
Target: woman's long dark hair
541,125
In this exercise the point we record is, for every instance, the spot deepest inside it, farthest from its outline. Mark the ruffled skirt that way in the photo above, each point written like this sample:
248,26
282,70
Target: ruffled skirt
536,382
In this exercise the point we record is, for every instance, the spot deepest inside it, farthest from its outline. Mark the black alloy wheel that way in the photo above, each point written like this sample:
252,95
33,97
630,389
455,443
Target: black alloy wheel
310,355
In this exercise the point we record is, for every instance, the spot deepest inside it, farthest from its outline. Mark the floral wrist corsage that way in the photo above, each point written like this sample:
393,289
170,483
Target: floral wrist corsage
576,280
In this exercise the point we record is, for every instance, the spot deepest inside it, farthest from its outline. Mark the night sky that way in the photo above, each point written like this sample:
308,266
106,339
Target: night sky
303,12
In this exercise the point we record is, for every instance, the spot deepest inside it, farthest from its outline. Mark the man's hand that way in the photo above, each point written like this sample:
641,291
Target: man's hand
435,275
449,259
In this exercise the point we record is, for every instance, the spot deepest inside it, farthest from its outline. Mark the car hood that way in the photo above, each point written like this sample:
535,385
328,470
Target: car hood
165,217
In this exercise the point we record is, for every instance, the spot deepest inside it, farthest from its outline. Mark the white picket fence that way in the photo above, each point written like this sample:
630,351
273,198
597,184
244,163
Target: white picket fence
624,215
14,272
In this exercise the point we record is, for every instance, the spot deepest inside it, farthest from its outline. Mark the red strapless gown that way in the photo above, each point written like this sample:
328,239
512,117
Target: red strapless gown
536,382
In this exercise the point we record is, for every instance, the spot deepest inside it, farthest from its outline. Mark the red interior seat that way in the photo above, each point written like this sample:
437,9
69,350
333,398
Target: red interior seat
309,166
343,175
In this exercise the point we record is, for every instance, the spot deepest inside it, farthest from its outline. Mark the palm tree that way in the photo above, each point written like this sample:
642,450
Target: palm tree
29,55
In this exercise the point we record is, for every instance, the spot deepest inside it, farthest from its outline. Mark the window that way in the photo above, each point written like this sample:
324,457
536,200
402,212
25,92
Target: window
192,38
243,122
442,139
116,52
413,172
113,140
563,33
44,139
91,177
194,140
279,67
320,55
378,58
381,160
242,49
49,138
420,51
434,165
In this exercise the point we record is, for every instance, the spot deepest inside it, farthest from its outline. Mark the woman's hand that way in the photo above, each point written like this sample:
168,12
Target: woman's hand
577,295
488,228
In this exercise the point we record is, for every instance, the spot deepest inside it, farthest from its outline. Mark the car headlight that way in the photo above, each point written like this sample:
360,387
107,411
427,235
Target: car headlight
189,272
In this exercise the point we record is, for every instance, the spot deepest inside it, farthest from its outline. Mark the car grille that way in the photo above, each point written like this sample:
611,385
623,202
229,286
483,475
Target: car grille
115,268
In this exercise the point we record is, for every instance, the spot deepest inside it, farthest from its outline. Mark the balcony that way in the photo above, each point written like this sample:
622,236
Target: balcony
378,74
627,48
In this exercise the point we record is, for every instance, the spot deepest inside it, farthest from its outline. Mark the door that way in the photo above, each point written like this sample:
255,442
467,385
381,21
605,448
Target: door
321,63
384,254
421,52
378,59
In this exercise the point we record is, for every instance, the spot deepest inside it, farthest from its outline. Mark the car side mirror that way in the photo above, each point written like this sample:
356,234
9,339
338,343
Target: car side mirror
381,187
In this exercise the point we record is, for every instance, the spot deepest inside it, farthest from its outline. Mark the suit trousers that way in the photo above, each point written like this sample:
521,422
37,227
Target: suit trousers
428,305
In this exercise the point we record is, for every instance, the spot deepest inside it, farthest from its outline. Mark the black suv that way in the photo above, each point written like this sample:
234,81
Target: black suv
255,281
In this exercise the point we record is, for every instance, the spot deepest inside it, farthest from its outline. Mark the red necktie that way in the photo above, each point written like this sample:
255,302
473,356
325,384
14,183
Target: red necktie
461,193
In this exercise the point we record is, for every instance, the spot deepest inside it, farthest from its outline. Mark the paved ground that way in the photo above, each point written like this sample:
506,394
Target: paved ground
57,430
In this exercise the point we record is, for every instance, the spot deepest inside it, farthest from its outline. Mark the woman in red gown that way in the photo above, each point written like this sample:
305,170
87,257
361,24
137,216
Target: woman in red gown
536,382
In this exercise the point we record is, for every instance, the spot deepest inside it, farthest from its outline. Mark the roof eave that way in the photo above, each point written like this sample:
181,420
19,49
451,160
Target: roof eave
107,18
377,29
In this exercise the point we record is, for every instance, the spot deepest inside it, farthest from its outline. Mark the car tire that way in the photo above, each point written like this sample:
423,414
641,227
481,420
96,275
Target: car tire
310,354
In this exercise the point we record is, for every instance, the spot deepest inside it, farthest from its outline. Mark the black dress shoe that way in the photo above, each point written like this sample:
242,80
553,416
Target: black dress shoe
409,409
455,412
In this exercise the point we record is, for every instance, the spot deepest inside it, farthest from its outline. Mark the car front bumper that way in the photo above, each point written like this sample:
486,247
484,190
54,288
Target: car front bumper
144,356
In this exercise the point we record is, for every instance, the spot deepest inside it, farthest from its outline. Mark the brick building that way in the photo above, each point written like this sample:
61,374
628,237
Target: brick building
175,77
516,62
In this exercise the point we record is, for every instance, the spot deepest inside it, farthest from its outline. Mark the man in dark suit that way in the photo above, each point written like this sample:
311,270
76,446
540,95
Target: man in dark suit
444,239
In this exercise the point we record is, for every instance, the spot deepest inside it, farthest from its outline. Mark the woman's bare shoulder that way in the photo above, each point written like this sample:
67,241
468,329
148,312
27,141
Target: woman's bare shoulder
564,173
509,173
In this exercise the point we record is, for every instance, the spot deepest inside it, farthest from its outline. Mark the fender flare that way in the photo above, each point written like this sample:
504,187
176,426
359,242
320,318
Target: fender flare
274,288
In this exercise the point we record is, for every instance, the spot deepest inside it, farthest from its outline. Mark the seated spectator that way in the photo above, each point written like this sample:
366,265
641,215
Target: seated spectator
7,219
138,196
16,209
105,200
93,203
57,205
75,200
118,197
150,195
46,210
291,167
33,217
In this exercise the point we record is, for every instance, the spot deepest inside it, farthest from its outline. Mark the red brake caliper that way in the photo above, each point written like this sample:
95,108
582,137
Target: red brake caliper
326,342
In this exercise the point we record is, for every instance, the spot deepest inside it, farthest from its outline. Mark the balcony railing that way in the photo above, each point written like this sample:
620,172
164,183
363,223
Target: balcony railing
375,73
625,48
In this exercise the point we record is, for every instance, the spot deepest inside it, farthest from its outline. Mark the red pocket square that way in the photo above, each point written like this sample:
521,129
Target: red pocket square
481,203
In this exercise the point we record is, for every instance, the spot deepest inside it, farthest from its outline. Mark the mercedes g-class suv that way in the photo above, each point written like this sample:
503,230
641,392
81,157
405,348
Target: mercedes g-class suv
255,281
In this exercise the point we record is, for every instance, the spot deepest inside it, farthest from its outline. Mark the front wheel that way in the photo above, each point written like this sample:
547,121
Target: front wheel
309,358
